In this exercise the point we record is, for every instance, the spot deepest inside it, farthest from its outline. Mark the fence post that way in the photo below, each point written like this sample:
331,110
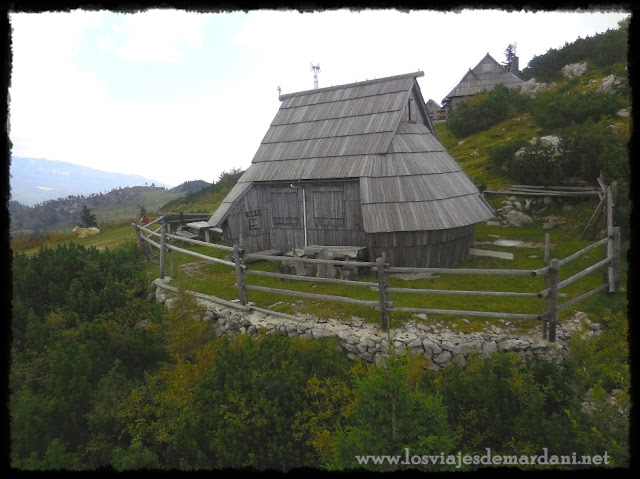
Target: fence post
616,256
170,251
163,240
545,301
554,272
238,254
382,288
610,234
143,245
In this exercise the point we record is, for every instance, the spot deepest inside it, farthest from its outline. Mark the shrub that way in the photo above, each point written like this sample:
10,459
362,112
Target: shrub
485,110
563,107
500,156
536,165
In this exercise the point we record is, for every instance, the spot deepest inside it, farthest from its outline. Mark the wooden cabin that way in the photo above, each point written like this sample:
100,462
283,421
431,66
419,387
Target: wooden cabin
484,76
355,165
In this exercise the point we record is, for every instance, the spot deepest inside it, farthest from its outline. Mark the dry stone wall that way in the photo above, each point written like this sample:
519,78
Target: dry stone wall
367,341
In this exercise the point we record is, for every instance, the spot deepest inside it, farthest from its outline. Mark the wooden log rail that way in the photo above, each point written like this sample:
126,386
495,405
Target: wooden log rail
550,272
484,314
460,292
319,297
314,279
293,259
497,272
187,240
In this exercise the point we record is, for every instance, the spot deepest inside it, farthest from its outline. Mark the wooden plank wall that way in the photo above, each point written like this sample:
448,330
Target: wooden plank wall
423,249
265,216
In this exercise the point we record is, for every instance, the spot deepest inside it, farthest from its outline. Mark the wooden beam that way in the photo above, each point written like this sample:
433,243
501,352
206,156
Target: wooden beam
594,216
319,297
313,279
483,314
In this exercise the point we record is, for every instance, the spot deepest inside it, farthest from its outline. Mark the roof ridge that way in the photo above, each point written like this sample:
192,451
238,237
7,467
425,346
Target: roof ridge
416,74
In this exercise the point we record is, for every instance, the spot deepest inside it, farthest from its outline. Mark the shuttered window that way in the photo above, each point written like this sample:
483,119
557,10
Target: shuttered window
284,207
328,206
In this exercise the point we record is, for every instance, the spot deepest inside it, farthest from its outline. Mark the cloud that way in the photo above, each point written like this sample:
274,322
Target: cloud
157,35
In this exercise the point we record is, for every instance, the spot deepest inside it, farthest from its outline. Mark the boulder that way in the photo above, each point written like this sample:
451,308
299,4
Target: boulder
574,70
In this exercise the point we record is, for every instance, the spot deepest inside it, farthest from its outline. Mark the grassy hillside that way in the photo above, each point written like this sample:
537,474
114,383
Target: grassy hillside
60,216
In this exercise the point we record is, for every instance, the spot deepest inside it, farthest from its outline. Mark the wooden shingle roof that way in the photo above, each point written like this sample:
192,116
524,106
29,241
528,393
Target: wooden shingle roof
408,182
484,76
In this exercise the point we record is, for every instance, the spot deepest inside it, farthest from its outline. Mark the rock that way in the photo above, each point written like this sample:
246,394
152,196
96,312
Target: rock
611,83
532,87
550,140
513,345
320,333
443,358
367,357
516,218
431,347
574,70
464,348
489,348
624,113
400,347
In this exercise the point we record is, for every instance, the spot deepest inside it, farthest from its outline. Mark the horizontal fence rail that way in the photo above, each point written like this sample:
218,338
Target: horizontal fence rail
315,279
319,297
550,273
496,272
484,314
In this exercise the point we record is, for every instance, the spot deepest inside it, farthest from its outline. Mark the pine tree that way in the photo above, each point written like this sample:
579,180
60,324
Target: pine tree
87,219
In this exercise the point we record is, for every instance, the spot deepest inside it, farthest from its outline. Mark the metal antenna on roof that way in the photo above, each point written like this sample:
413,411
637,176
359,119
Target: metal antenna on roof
315,69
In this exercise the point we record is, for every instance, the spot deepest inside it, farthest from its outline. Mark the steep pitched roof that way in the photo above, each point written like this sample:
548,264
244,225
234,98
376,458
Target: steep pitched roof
408,182
484,76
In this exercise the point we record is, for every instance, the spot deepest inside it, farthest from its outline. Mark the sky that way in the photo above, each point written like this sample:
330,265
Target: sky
176,96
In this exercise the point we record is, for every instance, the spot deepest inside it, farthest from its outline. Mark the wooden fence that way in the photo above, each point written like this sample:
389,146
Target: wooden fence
550,272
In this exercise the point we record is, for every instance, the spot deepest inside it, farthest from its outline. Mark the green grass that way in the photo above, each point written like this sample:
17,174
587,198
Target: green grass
110,237
151,198
472,153
218,280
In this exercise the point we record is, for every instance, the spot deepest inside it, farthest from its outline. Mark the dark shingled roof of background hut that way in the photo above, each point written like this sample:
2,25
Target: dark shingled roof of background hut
408,182
480,78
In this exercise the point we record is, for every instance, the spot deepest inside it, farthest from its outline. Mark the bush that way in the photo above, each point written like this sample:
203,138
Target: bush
564,107
500,156
498,403
536,165
485,110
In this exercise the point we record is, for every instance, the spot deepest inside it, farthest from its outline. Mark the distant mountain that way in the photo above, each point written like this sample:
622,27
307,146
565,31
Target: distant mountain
35,180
